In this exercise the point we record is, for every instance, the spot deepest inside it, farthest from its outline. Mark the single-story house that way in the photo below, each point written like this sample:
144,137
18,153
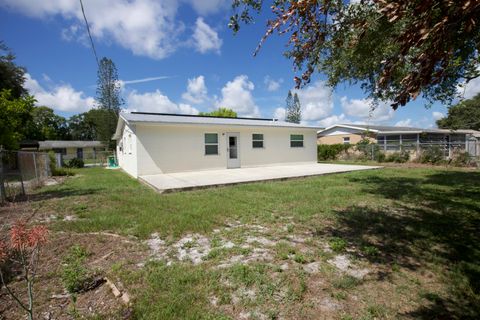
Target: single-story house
68,148
391,138
154,143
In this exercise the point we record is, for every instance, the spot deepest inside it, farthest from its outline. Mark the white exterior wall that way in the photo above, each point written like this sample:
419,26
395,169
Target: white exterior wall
176,148
127,156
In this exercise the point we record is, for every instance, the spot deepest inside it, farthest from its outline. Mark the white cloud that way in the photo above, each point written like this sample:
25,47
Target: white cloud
237,95
471,89
142,80
271,84
204,7
316,101
437,115
363,108
333,119
279,114
404,123
156,102
205,38
61,98
196,90
146,27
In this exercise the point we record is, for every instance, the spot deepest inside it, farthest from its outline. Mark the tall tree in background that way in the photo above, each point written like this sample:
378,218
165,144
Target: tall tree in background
464,115
82,126
109,101
395,49
292,108
12,76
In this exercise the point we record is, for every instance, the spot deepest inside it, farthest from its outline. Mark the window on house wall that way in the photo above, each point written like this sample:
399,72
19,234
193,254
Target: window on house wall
130,144
211,143
257,140
346,140
296,140
62,151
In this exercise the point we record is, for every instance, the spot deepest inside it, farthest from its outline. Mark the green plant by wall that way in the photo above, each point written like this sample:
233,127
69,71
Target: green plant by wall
398,157
331,151
76,163
432,154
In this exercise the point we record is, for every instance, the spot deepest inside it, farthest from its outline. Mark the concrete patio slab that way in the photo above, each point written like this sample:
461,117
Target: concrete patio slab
170,182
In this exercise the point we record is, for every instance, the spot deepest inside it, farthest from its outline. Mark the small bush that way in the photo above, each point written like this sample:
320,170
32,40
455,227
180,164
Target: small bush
75,274
76,163
398,157
56,171
338,244
380,156
461,159
432,154
331,151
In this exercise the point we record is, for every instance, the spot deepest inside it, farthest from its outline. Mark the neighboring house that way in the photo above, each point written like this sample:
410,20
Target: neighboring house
68,149
153,143
390,138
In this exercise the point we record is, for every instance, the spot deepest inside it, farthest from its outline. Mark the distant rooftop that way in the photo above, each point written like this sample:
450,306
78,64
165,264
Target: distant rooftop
54,144
394,129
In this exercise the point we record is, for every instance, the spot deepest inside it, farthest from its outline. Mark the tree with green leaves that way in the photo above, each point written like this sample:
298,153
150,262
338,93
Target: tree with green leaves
109,101
220,112
293,111
15,114
12,76
82,126
46,125
464,115
395,49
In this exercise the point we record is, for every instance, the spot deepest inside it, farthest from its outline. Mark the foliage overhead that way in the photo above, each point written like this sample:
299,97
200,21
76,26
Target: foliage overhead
396,49
12,76
464,115
293,111
220,112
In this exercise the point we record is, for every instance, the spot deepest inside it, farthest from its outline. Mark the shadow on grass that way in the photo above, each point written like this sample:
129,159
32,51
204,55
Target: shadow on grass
434,220
63,192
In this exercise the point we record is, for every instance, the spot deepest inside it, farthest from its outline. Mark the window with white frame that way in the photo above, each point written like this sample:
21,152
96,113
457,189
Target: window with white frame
130,144
257,140
296,140
346,140
211,143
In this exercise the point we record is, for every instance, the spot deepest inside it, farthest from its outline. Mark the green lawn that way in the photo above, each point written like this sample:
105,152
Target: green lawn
416,230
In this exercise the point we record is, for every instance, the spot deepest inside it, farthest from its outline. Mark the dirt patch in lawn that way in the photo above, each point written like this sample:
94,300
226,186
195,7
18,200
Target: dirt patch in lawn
52,301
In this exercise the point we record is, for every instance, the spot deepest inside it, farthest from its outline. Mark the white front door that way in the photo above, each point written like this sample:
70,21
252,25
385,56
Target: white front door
233,156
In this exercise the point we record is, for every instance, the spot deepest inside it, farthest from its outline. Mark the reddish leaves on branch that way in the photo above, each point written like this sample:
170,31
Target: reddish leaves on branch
23,239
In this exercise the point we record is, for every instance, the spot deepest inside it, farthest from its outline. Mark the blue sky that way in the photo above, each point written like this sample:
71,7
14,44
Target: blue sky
175,56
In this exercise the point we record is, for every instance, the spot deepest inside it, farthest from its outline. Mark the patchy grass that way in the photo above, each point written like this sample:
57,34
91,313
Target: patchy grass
404,242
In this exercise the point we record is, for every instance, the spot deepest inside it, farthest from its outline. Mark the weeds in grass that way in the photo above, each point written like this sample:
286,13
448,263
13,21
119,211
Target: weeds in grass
75,273
346,282
337,244
370,251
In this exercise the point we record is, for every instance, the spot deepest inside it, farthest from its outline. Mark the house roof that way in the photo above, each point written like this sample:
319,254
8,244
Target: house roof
396,130
167,118
53,144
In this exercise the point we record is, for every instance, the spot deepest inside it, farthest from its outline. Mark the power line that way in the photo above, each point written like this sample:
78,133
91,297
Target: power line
89,34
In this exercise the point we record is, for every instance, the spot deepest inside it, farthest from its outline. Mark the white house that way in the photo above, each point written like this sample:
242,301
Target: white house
153,143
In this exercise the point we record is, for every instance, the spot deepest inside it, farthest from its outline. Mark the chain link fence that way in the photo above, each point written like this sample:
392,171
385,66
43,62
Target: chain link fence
90,159
21,171
467,152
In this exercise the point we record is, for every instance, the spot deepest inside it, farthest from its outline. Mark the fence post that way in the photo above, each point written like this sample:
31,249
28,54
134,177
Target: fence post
2,185
35,166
